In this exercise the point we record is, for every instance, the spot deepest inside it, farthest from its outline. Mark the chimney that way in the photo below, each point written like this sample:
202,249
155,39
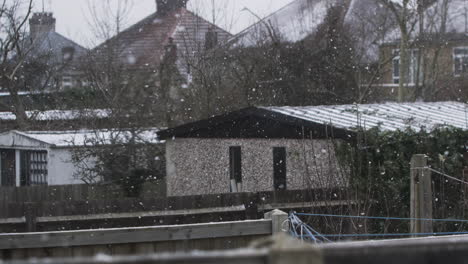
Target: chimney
170,54
163,7
40,23
211,39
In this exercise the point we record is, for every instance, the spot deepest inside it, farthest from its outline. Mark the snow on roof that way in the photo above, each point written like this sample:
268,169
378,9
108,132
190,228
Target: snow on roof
24,93
59,114
388,116
293,22
81,138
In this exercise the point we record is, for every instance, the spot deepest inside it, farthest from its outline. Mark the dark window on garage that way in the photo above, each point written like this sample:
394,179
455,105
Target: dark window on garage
279,168
235,169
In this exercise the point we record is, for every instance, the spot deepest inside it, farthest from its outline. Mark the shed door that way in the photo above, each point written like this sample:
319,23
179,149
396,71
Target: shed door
8,170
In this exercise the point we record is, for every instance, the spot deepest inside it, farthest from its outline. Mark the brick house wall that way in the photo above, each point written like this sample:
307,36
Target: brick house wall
438,69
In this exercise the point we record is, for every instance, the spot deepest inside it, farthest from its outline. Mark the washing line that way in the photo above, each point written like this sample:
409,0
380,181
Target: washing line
447,176
442,174
385,218
395,234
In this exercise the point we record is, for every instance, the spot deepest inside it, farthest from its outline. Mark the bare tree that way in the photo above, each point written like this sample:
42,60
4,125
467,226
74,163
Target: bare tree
107,18
25,65
20,66
403,11
274,71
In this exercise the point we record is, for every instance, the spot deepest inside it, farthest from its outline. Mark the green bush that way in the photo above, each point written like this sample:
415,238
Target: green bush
379,166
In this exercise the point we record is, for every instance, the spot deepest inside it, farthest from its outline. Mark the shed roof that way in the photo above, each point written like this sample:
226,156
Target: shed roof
344,119
387,116
78,138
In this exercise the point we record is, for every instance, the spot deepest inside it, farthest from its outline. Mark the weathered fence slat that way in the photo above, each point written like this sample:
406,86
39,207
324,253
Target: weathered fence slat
187,212
135,235
76,192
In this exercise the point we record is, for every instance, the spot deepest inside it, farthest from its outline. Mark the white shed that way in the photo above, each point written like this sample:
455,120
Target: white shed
45,157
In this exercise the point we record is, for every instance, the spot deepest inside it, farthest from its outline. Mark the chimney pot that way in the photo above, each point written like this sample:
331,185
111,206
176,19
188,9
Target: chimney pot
163,7
40,23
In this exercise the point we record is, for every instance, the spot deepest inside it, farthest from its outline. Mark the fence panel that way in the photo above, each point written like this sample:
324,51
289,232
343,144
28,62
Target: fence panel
130,241
76,192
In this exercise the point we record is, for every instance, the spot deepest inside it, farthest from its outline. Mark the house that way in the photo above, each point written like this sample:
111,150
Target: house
156,57
284,148
438,56
172,30
49,66
57,50
45,157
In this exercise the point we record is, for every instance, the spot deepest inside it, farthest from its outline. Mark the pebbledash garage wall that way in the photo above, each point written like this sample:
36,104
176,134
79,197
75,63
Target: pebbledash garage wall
202,166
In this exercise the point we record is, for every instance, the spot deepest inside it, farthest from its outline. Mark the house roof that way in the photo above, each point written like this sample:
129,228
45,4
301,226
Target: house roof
79,138
293,22
343,119
301,18
144,43
52,43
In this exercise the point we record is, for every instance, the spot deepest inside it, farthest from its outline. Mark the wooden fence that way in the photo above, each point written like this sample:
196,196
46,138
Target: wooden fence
147,240
76,192
283,250
76,215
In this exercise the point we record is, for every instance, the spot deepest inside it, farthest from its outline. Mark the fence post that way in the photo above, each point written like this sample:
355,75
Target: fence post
421,195
278,218
286,250
30,214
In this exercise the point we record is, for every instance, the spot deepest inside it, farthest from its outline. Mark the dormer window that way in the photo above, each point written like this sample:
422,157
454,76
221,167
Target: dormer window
68,53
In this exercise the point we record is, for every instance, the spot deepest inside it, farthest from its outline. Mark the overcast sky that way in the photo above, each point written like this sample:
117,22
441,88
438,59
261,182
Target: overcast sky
73,15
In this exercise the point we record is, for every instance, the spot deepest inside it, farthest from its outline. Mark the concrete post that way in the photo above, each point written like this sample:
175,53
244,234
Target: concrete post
285,250
30,215
421,195
278,219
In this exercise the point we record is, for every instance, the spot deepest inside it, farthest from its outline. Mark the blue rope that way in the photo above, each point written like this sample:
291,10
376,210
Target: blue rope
296,223
386,218
318,234
396,234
